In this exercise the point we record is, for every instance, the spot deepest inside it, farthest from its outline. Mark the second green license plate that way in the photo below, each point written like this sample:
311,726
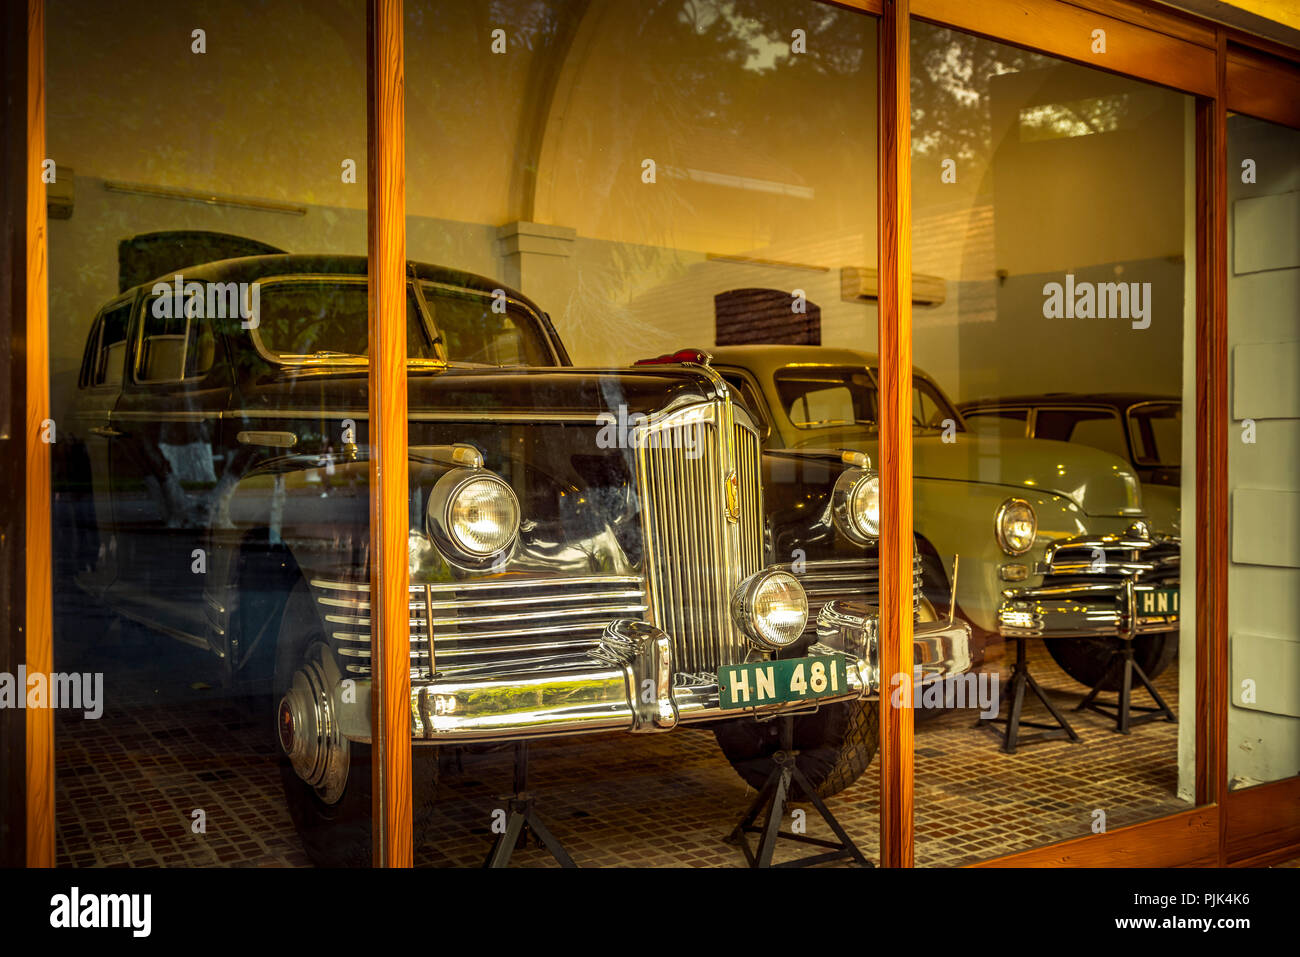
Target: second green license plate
772,682
1158,601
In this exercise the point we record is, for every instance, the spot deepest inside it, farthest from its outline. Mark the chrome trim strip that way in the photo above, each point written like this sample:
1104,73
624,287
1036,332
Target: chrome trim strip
448,587
1093,568
137,415
276,440
594,418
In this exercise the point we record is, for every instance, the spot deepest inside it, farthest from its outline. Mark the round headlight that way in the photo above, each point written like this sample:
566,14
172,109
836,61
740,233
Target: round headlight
855,505
1016,525
474,512
771,608
865,506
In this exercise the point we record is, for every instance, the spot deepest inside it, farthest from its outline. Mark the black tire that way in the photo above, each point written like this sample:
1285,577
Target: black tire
338,834
1085,659
835,745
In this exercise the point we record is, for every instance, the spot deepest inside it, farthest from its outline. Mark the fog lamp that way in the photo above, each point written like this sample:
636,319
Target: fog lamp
771,609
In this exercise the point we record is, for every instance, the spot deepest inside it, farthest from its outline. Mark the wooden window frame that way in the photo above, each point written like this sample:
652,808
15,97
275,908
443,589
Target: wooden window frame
1223,67
391,795
1226,69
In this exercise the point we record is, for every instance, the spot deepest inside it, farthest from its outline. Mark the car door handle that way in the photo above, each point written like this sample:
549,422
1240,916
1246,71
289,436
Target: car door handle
106,430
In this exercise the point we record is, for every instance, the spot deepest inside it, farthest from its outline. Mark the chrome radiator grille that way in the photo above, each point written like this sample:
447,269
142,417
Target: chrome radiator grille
1096,559
748,459
489,627
695,555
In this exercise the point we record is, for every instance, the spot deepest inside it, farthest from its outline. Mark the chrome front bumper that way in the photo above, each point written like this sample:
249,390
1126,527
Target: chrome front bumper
628,683
1114,610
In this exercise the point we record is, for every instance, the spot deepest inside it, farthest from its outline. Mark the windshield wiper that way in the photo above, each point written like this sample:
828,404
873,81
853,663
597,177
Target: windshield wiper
324,354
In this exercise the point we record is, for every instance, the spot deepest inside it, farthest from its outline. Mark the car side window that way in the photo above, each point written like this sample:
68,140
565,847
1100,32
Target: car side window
109,362
1098,428
481,328
928,410
750,397
173,348
1007,423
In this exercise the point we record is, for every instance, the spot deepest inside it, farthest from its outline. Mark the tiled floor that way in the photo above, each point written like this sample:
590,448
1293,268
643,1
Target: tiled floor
170,744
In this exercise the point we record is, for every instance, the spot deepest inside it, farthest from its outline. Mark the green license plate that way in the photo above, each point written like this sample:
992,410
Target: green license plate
789,679
1158,601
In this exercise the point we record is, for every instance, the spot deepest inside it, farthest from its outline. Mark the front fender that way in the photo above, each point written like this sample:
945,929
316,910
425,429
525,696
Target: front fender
957,518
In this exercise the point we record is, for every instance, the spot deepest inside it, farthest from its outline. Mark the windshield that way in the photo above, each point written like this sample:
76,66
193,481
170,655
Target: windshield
1157,432
824,397
326,319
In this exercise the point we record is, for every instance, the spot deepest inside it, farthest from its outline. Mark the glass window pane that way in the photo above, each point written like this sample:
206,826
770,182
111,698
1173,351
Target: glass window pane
1008,422
644,180
210,501
1053,228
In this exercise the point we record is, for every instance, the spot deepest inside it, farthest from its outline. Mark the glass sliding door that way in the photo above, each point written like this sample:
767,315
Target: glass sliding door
1053,231
593,185
208,353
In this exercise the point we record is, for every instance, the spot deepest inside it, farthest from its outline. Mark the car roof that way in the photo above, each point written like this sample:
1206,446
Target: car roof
1114,400
252,268
767,359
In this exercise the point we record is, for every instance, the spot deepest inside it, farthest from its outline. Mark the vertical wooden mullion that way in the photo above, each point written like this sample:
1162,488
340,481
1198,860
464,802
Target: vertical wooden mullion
389,480
13,438
39,611
895,323
1211,441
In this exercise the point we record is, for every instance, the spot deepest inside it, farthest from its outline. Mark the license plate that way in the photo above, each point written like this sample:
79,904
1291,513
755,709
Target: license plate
788,679
1157,601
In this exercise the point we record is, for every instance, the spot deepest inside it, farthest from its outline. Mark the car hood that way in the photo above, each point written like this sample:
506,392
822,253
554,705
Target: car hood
540,393
1096,481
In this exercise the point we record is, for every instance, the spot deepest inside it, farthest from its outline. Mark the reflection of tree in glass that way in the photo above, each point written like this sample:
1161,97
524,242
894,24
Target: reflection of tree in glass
1097,114
950,90
711,92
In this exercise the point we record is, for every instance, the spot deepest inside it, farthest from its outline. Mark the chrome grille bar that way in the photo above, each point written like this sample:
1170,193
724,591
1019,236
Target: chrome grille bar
545,617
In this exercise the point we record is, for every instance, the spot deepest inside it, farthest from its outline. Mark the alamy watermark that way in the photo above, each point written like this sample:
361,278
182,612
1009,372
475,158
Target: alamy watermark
624,431
1098,300
77,910
208,300
969,690
73,692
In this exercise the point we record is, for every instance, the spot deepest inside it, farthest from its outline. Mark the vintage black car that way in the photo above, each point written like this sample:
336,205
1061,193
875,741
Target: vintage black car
589,548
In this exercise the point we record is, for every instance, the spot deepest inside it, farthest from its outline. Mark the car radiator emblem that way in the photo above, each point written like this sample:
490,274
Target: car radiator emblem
733,497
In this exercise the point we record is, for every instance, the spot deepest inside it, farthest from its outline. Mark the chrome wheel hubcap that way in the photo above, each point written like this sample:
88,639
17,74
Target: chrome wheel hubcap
308,728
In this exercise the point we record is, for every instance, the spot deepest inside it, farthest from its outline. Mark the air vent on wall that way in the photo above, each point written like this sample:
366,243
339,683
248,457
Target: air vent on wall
861,284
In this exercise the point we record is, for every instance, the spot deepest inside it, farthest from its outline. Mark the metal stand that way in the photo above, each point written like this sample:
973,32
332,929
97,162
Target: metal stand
522,820
1015,689
774,796
1123,666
